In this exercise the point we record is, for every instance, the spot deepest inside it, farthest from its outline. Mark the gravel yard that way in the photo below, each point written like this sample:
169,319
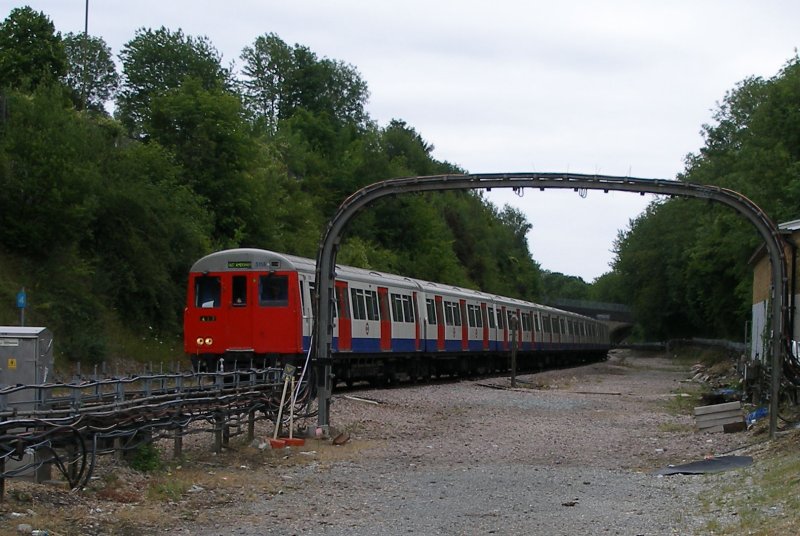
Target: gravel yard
572,457
568,452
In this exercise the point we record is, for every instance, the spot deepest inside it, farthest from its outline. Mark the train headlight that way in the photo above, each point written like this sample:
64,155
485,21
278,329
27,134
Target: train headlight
209,340
199,341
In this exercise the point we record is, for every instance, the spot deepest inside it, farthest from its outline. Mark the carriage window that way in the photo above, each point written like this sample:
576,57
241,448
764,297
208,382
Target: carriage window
430,306
452,314
526,321
536,323
206,291
371,298
359,307
273,290
401,308
491,318
546,324
471,316
509,315
239,294
500,323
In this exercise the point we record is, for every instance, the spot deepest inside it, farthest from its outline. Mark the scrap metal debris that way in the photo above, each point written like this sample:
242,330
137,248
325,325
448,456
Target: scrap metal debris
709,465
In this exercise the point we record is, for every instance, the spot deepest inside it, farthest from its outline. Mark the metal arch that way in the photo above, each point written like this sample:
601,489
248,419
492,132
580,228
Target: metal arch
326,256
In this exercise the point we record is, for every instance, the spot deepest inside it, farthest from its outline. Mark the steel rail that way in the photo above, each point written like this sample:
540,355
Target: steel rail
331,237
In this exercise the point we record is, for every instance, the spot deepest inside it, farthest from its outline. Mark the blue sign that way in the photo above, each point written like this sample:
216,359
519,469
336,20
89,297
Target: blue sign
22,299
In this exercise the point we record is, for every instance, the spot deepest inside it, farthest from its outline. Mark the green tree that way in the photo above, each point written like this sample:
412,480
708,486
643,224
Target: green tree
278,80
49,173
206,132
91,75
155,62
558,286
31,52
147,231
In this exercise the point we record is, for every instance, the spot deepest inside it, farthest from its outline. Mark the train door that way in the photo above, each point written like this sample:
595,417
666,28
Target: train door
439,323
485,326
503,319
464,325
417,320
345,323
240,318
386,319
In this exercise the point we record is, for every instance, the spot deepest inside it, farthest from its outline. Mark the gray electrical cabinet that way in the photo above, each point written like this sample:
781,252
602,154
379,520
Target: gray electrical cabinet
26,358
26,355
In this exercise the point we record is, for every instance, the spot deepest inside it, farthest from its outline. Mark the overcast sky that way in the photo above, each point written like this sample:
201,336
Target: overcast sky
613,87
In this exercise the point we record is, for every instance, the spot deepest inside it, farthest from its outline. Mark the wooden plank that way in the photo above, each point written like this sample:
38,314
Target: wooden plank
737,413
719,422
702,410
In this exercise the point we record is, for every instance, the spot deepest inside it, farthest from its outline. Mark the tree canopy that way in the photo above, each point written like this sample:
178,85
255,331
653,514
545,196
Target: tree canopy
683,264
101,217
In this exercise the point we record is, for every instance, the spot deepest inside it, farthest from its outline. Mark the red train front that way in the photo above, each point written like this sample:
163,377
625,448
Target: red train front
243,307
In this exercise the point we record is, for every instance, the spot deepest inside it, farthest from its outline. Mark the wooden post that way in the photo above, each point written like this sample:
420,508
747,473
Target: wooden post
251,425
177,450
218,433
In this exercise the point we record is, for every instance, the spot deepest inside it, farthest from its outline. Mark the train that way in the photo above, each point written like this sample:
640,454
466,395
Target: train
253,308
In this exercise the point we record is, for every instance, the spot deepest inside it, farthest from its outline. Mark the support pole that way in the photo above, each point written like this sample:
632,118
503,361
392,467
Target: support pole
514,327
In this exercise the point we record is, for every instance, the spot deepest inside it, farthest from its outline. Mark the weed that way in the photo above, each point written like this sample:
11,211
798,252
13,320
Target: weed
145,458
170,489
684,400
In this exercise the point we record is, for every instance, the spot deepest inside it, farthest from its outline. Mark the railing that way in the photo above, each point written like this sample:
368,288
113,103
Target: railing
66,425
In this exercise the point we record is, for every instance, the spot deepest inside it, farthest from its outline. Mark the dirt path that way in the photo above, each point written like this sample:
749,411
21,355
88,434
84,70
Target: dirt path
573,456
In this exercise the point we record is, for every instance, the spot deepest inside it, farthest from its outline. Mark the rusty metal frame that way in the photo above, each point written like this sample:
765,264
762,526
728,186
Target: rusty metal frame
329,244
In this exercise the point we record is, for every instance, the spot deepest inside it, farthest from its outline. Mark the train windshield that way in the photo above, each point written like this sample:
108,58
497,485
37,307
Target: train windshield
207,291
273,290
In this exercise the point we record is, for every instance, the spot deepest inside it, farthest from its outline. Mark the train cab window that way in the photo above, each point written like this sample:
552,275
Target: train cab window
273,290
239,291
207,290
431,308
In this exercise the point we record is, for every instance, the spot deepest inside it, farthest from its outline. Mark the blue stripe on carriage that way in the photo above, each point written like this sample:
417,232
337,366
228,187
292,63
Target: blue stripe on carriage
452,346
404,345
476,346
366,345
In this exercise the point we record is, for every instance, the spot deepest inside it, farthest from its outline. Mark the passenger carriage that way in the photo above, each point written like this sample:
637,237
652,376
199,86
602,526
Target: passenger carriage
252,307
